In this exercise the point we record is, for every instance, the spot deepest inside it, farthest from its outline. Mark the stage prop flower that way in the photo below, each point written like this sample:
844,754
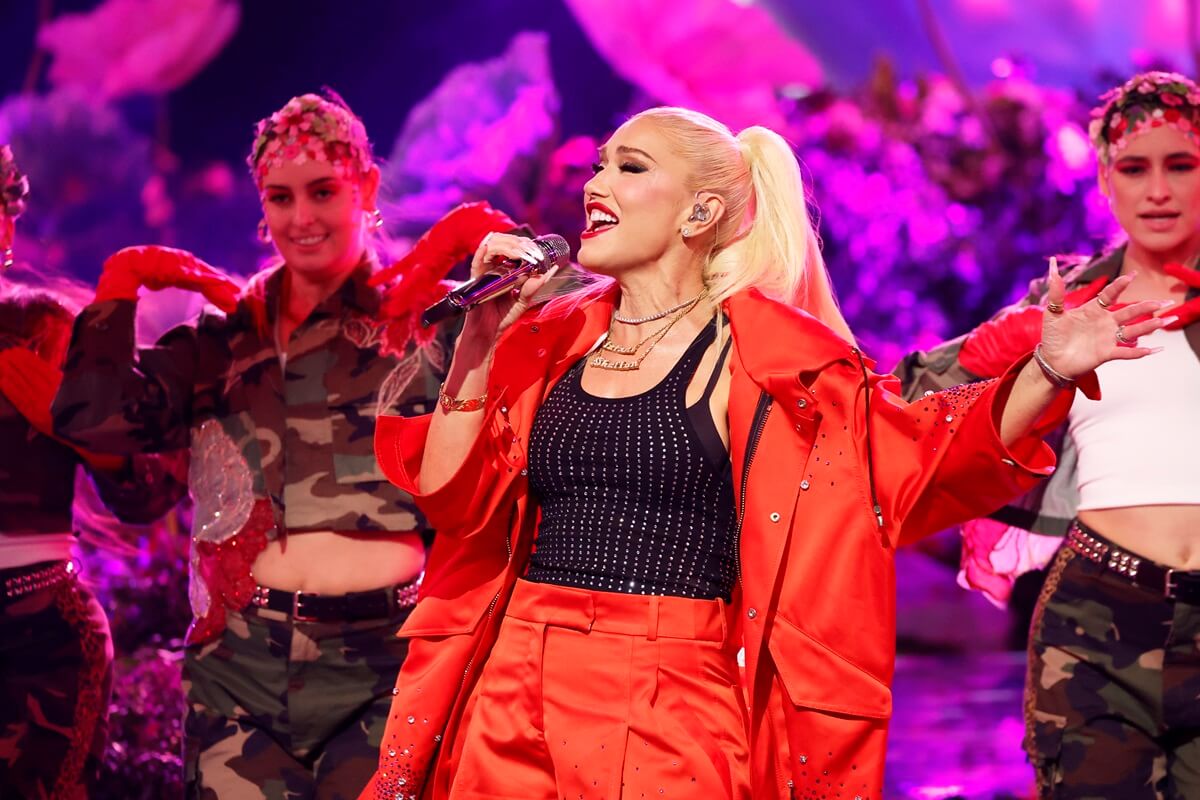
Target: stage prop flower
125,47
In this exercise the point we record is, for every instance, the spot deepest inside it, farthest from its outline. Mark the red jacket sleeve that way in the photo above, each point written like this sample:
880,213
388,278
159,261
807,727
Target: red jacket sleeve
467,499
939,460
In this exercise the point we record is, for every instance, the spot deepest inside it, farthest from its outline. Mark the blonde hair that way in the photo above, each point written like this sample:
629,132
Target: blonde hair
765,239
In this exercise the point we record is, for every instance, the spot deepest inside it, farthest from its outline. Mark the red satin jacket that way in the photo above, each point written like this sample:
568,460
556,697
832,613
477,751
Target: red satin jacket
832,471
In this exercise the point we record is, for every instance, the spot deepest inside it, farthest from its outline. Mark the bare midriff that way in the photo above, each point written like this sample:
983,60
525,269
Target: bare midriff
1168,534
330,562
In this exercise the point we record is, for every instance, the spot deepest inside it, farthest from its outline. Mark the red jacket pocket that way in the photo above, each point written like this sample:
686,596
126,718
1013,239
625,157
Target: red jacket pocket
815,676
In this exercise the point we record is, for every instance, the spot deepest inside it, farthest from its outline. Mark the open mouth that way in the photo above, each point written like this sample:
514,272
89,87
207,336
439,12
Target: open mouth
600,219
1159,220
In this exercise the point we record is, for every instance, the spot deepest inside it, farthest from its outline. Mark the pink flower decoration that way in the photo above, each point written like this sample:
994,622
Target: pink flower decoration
1169,99
483,133
124,47
994,555
729,60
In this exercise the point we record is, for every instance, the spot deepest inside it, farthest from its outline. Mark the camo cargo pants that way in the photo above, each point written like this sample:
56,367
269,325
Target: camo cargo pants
283,709
1112,700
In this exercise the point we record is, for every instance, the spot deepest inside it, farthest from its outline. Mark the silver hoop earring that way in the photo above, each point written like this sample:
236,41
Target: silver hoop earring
8,259
264,233
376,218
700,213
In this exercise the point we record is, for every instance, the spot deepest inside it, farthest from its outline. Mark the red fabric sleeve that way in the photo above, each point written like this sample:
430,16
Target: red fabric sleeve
466,500
940,459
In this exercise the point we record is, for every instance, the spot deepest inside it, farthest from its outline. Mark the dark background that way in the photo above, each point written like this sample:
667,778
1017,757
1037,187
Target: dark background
382,56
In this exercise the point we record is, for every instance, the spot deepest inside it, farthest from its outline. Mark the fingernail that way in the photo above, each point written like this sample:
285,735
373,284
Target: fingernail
1168,320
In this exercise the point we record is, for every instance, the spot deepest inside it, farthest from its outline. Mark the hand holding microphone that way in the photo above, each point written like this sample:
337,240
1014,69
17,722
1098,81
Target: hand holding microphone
506,269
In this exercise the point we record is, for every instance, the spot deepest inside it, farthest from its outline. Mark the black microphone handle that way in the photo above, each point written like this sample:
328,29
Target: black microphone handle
493,284
442,310
477,290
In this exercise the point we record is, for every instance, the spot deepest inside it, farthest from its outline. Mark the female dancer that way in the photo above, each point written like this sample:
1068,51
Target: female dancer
701,467
305,560
1114,670
55,648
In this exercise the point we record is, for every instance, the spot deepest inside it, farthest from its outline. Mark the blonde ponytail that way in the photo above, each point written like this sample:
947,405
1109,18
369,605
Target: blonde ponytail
766,239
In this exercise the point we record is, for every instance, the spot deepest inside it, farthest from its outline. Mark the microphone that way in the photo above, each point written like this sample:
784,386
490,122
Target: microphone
491,285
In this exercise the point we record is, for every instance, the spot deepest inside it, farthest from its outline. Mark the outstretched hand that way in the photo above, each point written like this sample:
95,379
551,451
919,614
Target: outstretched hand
156,267
995,345
1077,340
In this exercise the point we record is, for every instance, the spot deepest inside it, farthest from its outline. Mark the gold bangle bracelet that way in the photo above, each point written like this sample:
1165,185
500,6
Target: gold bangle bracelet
449,403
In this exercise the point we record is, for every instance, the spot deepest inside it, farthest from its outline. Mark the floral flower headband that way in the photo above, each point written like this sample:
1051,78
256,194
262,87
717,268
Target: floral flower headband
1145,101
14,186
311,128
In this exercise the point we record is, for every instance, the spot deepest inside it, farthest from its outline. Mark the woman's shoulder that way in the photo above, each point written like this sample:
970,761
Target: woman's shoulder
761,324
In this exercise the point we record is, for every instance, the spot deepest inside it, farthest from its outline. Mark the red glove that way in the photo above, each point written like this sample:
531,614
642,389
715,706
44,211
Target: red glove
996,344
157,268
451,239
1188,311
30,383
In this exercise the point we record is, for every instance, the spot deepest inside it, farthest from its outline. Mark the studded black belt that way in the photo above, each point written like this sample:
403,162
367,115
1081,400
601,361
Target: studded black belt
350,607
1173,584
20,581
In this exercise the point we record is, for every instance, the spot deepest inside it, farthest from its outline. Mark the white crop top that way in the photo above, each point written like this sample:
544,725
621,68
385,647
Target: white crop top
1140,443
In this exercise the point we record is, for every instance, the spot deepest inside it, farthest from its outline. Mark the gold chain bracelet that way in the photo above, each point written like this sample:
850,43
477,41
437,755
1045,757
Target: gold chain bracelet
449,403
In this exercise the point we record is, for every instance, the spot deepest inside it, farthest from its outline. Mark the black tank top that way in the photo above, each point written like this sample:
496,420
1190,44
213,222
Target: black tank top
636,492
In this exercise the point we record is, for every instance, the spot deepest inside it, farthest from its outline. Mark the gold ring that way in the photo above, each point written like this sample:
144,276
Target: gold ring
1054,308
1103,304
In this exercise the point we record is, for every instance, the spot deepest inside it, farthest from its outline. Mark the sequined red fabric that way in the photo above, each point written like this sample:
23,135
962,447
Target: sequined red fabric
225,568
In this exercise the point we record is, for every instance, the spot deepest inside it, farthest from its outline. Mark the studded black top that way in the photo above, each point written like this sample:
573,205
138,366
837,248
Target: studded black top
636,492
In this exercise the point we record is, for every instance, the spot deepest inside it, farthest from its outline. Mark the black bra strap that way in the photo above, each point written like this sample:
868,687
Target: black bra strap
716,373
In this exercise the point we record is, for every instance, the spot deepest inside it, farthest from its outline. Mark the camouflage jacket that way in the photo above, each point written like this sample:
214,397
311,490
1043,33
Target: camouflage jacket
278,443
1049,508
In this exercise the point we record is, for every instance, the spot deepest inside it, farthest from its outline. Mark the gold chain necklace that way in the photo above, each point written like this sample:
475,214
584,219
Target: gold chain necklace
629,350
600,361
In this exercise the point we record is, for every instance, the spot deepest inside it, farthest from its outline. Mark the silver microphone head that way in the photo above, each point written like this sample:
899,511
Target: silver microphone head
558,252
